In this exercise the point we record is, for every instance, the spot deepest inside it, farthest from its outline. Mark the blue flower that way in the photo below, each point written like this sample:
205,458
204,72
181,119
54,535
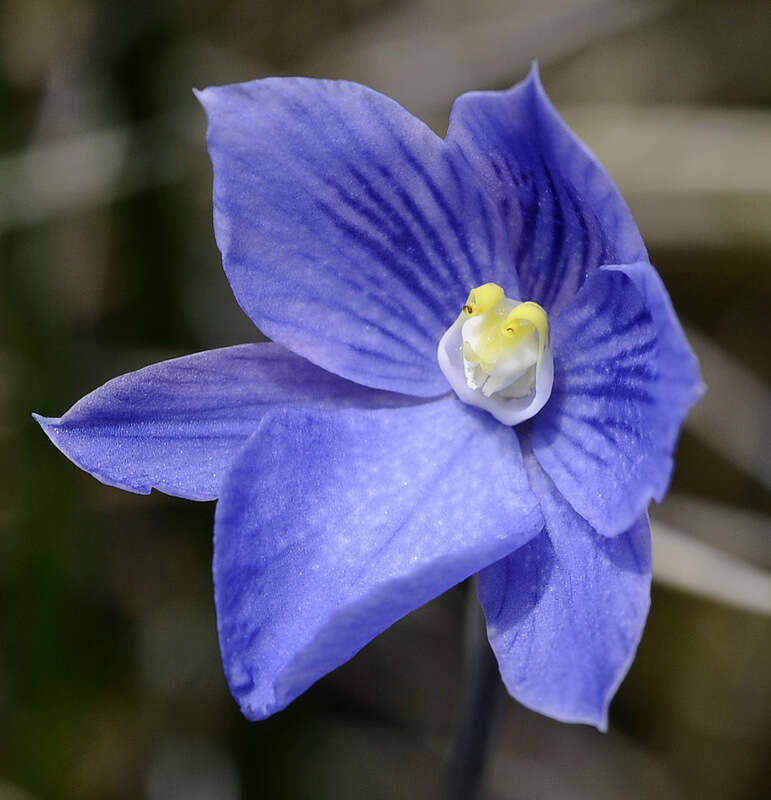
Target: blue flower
352,483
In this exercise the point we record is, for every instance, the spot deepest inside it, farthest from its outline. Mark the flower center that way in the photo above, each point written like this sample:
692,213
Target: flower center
497,355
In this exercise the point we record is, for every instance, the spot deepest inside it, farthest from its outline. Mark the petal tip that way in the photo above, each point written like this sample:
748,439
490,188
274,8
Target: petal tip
601,724
205,97
252,713
49,426
62,438
594,717
212,98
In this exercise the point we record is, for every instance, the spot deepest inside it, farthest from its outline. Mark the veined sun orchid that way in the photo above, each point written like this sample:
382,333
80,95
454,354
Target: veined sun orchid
474,369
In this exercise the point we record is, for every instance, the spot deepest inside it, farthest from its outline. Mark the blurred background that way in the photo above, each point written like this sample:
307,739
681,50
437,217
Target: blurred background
110,681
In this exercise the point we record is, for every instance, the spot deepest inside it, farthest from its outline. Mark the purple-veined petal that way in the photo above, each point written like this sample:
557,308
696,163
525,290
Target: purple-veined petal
624,379
176,426
566,611
349,232
564,215
332,526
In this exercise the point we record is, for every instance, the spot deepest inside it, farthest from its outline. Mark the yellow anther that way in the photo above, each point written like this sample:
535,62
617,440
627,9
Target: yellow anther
521,320
483,298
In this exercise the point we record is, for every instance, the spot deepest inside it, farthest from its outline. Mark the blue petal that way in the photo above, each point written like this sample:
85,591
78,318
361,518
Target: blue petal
564,215
332,526
566,611
176,426
624,379
349,232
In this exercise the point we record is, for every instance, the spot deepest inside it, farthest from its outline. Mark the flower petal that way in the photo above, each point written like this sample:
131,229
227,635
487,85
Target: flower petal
624,379
565,216
348,231
176,426
332,526
566,611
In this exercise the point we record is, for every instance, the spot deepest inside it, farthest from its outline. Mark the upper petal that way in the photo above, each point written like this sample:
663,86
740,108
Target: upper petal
564,215
624,379
348,231
176,426
566,611
331,526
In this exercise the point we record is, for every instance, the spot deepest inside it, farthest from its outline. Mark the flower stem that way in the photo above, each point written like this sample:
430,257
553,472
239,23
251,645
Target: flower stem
465,768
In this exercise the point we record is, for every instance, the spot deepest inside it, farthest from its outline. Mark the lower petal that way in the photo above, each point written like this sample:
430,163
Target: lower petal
566,611
333,525
176,426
